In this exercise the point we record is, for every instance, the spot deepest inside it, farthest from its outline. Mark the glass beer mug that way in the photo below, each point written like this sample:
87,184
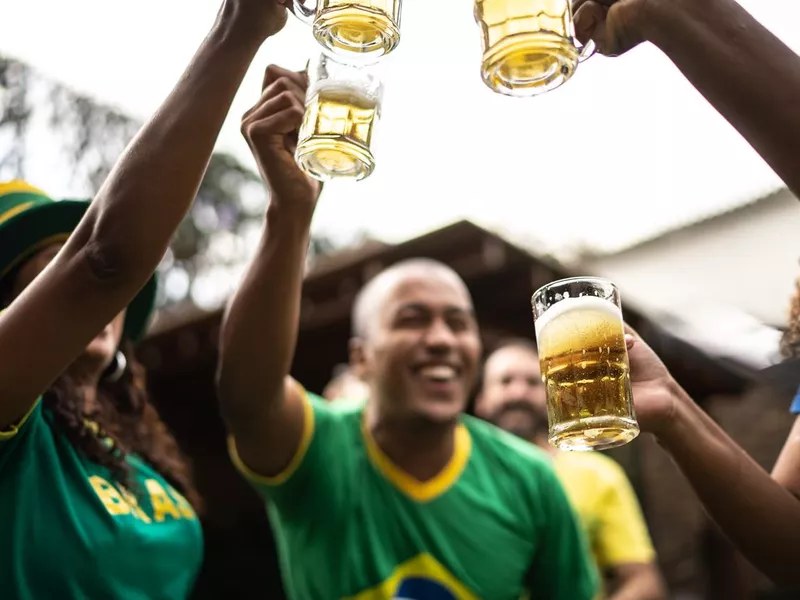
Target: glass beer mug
584,361
529,46
360,29
343,105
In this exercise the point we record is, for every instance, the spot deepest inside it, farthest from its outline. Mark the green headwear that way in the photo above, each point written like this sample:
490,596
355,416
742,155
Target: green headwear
31,220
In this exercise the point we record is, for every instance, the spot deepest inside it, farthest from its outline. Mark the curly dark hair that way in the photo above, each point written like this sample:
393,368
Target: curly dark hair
790,344
126,416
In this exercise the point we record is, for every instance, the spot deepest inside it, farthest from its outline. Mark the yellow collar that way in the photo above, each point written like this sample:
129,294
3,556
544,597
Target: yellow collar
421,491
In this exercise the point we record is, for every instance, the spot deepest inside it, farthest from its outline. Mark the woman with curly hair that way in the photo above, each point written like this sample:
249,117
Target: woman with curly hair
96,500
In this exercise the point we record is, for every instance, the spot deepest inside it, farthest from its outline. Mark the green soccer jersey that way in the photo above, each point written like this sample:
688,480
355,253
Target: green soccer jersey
68,531
493,525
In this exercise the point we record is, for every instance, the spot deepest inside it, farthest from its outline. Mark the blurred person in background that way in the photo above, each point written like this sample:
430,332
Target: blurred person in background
345,385
512,396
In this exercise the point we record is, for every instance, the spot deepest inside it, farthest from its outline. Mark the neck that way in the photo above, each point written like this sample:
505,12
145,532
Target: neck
540,440
420,448
85,381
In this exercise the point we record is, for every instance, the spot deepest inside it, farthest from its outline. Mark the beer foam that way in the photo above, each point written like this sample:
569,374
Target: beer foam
339,89
583,303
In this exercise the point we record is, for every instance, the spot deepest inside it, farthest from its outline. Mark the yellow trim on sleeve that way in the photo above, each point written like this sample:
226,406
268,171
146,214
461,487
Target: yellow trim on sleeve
422,491
14,429
297,459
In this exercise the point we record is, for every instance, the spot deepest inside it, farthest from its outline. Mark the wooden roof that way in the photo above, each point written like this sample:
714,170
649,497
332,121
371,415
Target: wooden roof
501,277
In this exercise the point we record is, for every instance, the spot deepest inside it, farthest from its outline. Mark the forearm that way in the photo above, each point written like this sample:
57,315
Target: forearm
156,180
759,516
260,328
743,70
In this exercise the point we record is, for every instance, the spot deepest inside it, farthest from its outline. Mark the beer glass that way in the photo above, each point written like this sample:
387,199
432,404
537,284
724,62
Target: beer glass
529,46
343,105
584,360
359,29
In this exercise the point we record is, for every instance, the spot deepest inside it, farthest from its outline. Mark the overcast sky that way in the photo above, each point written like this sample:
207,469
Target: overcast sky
623,150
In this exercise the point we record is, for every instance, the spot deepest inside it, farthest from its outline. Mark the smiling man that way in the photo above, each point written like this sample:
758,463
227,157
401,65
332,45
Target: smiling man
401,496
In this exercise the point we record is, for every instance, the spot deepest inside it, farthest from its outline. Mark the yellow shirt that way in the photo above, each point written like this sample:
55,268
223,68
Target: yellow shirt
608,509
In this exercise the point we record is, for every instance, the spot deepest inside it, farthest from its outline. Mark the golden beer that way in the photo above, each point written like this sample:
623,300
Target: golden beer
528,45
336,133
584,363
369,28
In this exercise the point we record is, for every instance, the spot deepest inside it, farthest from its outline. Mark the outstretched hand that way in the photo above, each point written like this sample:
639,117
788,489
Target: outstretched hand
271,128
266,16
615,26
653,387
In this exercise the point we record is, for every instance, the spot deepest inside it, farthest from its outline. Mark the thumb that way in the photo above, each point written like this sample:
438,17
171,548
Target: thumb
630,341
587,19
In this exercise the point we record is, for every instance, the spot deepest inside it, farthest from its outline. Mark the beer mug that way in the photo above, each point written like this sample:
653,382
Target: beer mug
343,105
363,29
584,360
529,46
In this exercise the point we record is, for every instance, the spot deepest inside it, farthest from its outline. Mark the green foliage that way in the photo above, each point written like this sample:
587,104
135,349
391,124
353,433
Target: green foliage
217,237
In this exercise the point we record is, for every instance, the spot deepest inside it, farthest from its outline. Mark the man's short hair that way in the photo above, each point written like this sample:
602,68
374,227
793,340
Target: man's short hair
367,300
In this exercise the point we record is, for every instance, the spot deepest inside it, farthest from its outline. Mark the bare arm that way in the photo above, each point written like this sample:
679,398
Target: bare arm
787,469
744,71
123,236
261,405
759,515
638,581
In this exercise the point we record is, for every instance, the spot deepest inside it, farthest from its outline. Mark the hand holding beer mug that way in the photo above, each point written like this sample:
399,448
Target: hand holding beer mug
365,29
529,46
584,359
343,104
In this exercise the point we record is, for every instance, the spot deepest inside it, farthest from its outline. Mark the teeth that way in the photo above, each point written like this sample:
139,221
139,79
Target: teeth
439,372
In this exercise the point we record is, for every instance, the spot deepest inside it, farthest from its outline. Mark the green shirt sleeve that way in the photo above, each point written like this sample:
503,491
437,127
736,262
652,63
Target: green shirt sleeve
562,568
14,435
317,471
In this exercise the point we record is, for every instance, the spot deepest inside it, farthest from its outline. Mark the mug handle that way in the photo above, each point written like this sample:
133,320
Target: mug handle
304,13
587,51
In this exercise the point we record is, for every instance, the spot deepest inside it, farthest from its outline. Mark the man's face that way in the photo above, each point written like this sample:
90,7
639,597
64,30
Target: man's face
513,395
422,352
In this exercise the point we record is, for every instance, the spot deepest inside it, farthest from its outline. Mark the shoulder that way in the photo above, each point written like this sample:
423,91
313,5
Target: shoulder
493,444
340,411
332,422
602,469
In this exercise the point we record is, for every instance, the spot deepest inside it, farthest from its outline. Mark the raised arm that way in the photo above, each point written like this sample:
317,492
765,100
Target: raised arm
263,408
759,515
744,71
125,232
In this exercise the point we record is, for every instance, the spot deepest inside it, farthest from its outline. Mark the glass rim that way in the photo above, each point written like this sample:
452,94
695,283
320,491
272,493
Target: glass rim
576,279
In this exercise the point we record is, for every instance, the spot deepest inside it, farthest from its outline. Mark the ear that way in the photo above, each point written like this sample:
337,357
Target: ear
358,358
480,406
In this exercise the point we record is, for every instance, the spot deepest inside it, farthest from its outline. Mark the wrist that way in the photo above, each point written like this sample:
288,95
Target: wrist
656,19
236,25
674,425
292,217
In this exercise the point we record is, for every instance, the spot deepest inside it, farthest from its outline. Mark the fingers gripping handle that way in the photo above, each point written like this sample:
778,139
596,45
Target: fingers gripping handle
304,13
588,50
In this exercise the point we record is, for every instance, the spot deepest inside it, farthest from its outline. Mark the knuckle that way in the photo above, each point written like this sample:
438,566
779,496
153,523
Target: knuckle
282,83
286,97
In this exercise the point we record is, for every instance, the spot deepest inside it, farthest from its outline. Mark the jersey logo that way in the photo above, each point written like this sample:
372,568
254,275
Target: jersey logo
421,578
